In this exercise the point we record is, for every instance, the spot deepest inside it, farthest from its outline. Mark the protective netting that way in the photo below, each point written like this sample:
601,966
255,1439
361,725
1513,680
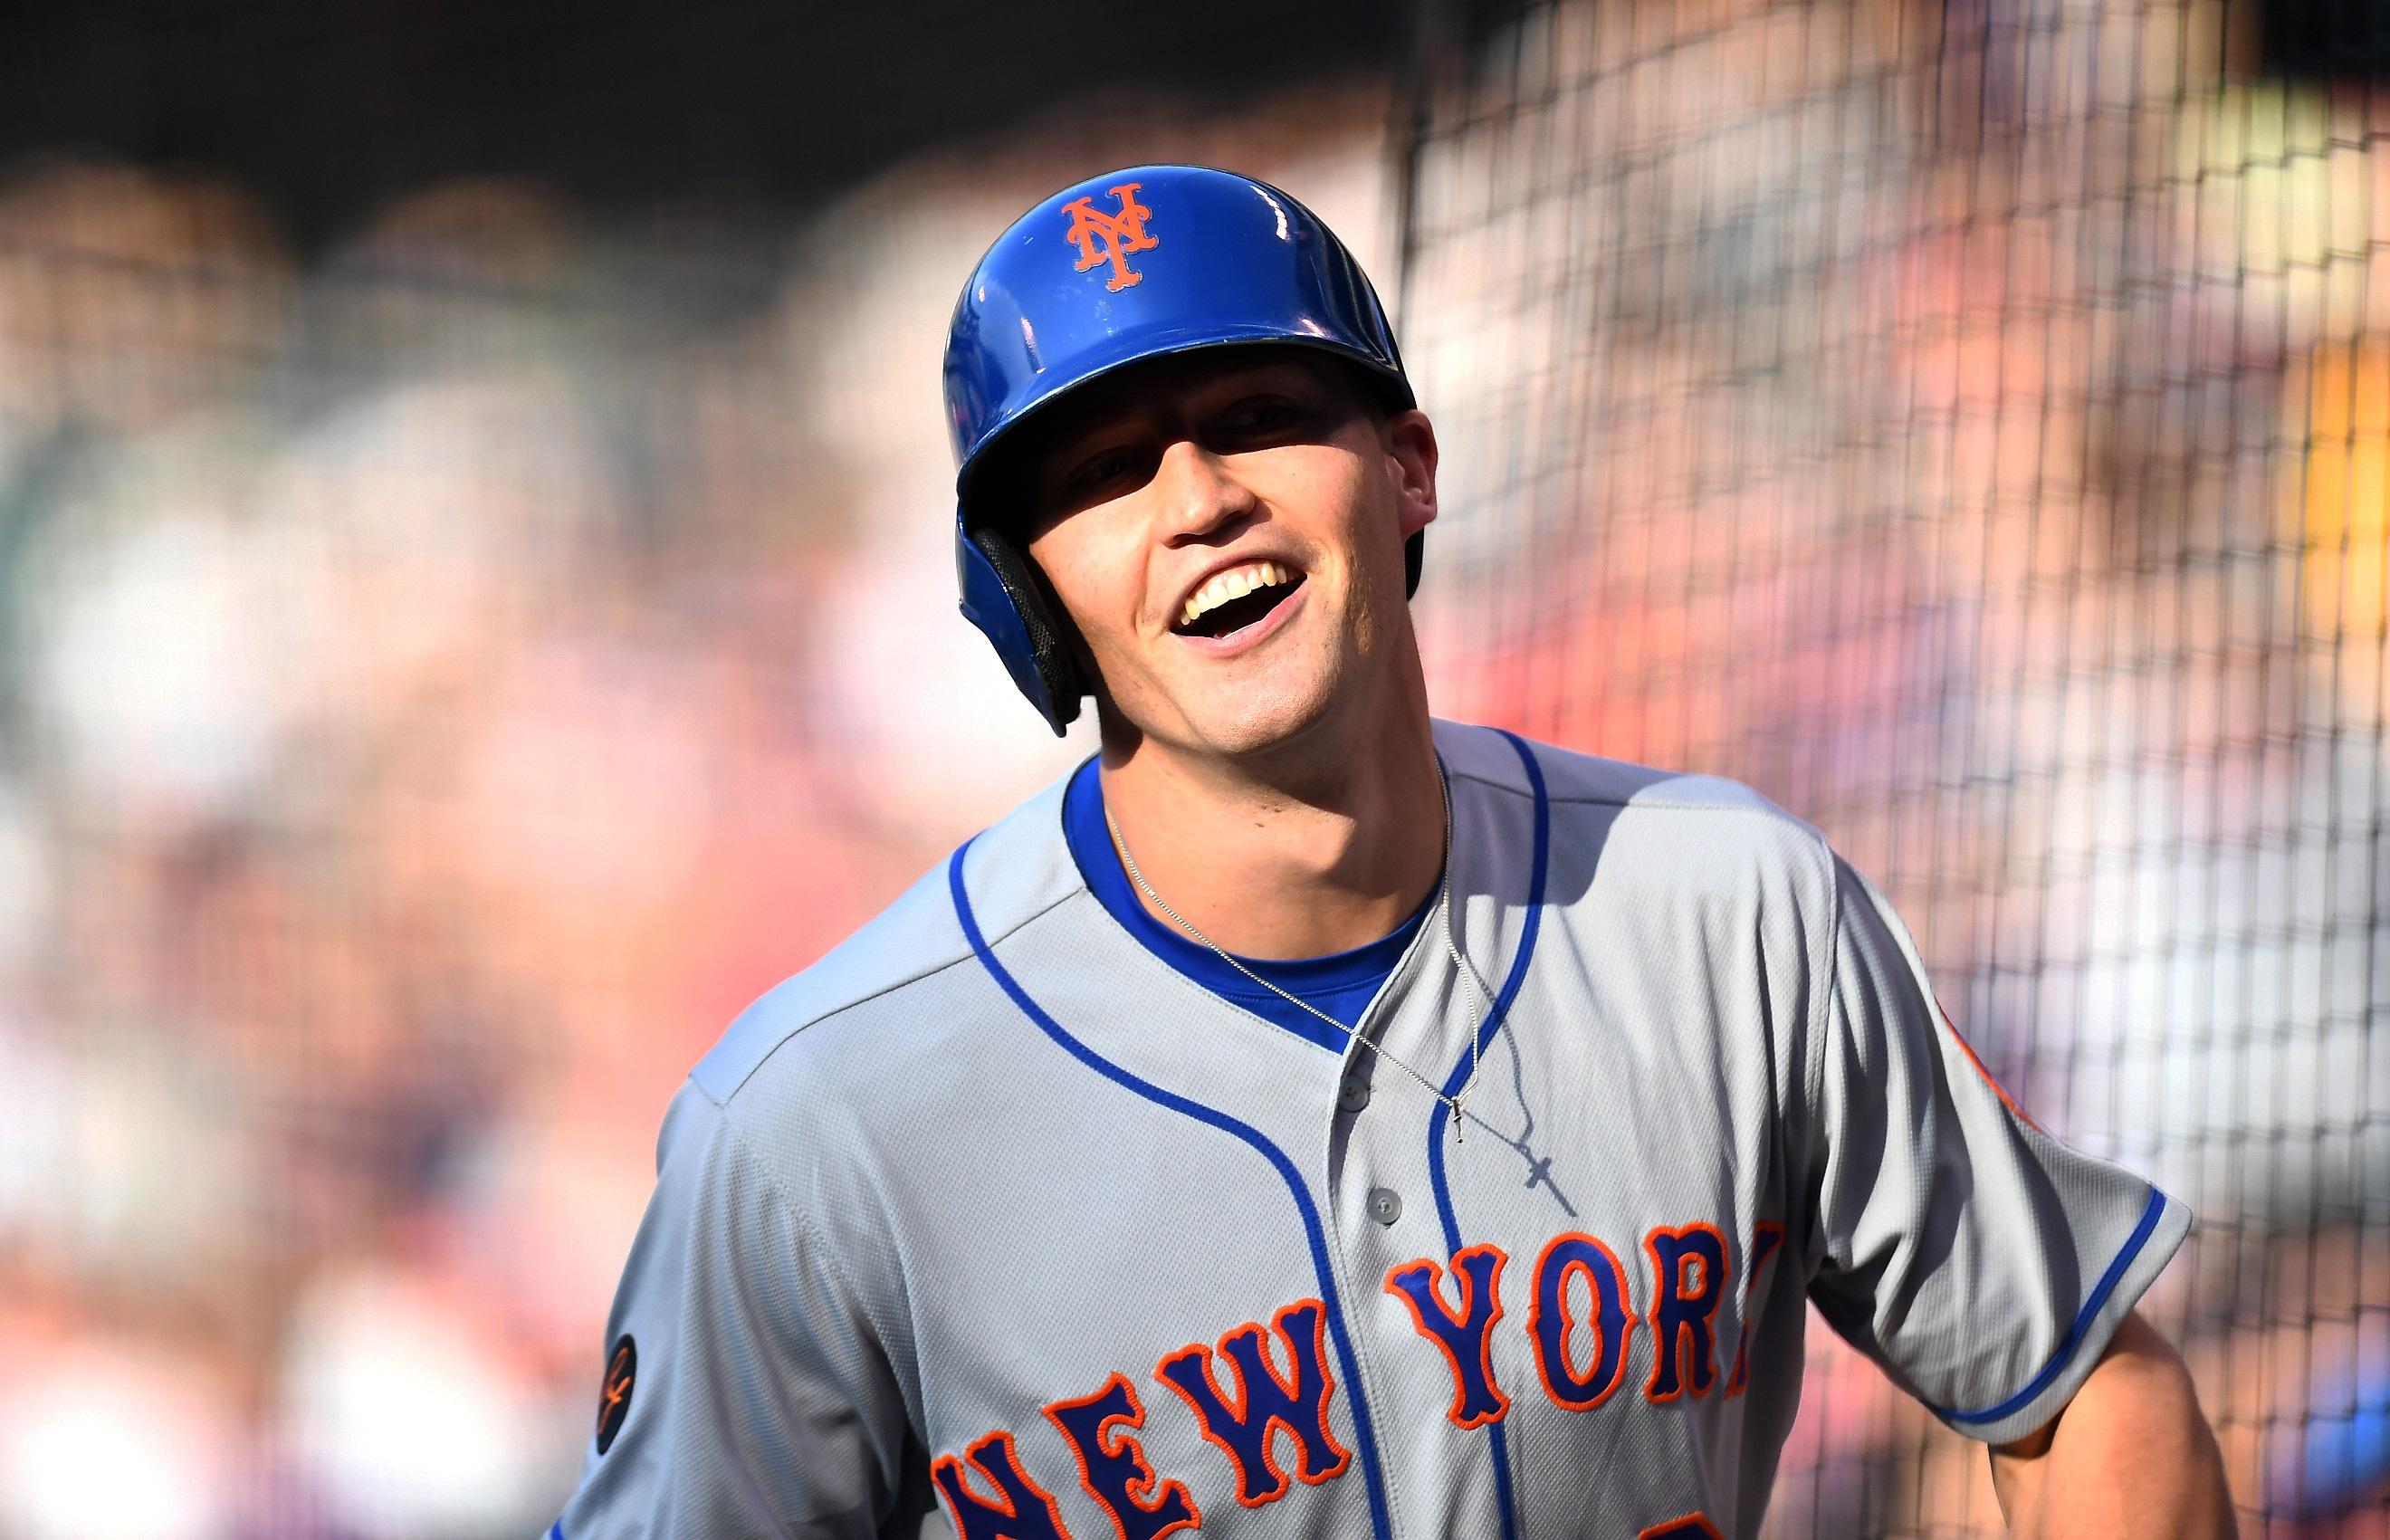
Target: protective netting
1970,424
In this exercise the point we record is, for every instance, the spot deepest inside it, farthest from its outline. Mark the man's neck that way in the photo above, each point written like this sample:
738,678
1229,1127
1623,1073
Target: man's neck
1289,859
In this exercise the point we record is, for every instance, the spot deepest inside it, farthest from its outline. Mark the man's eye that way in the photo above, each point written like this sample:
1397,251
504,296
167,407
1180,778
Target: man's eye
1100,469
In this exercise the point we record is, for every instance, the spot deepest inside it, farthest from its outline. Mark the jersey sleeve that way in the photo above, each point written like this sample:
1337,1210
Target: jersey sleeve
760,1402
1981,1261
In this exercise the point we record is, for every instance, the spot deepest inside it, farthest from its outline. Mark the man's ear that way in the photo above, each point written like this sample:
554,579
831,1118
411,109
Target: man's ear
1410,443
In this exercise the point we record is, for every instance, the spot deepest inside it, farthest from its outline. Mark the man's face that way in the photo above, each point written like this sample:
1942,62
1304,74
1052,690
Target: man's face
1227,532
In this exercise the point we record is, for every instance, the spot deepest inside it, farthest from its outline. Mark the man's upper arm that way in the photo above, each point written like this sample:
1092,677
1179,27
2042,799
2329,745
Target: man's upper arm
1981,1261
761,1401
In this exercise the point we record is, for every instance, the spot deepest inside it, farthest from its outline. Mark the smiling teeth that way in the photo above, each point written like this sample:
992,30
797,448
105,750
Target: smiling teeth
1234,583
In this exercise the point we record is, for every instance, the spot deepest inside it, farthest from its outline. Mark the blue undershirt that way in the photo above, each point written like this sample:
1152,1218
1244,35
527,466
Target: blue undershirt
1342,983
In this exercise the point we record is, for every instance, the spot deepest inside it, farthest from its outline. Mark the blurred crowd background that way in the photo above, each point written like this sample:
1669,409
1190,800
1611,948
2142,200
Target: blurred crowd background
470,624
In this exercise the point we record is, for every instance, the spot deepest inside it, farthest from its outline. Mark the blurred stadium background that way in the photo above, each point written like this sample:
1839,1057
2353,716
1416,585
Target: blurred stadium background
475,610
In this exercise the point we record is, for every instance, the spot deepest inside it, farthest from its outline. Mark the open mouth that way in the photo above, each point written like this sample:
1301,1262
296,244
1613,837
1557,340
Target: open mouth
1237,599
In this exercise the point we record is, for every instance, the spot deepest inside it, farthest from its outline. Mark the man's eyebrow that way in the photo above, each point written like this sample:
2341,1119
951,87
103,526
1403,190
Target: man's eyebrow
1069,435
1250,368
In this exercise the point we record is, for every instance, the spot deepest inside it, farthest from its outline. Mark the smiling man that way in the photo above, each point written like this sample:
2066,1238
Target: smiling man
1310,1118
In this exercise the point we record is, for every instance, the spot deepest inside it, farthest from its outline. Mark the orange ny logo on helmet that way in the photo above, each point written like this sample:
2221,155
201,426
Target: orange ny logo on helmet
1101,236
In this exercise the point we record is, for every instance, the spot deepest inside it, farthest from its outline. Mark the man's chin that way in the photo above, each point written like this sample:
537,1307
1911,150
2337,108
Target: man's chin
1259,724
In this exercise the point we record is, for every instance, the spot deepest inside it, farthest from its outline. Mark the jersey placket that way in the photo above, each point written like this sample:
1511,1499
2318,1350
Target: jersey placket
1361,1196
1400,1237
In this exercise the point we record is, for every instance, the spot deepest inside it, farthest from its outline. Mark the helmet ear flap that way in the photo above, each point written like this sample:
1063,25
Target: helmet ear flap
1006,596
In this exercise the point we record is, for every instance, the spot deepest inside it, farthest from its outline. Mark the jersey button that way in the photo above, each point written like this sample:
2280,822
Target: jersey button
1352,1090
1385,1205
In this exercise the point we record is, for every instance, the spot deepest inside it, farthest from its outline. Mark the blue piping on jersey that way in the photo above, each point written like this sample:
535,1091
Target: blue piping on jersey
1495,1437
2150,1213
555,1531
1380,1524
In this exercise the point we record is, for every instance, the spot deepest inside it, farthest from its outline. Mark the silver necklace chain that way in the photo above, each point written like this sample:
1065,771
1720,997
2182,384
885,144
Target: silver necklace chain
1443,906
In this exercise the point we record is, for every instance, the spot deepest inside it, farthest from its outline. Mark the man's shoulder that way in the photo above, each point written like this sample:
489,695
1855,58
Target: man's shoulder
1706,827
1528,767
907,976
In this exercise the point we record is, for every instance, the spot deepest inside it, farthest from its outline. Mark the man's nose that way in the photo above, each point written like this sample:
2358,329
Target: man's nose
1199,495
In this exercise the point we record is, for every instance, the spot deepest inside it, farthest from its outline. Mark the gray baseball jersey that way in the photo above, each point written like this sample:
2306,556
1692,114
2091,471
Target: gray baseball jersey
993,1210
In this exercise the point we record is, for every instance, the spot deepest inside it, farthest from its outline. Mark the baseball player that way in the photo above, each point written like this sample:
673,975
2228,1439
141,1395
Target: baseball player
1307,1117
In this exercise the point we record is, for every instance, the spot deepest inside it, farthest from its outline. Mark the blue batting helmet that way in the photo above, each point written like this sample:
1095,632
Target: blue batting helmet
1137,265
